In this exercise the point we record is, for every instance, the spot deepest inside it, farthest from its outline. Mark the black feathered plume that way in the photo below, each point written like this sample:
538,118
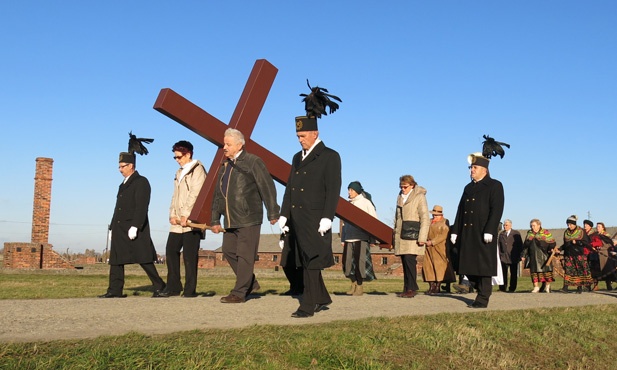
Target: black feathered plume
492,148
136,146
316,102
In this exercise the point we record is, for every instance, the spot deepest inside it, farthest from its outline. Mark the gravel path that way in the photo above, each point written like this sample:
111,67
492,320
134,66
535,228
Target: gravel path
79,318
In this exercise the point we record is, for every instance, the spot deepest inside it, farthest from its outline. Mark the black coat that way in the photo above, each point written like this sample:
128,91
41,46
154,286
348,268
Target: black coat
250,187
312,193
479,212
132,210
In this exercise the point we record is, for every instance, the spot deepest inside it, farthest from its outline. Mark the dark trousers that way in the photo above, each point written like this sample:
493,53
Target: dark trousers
188,243
315,291
240,250
484,286
116,277
295,276
410,272
513,267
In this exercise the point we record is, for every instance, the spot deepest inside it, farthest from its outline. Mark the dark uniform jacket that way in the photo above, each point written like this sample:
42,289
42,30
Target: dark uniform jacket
479,212
132,210
250,186
312,193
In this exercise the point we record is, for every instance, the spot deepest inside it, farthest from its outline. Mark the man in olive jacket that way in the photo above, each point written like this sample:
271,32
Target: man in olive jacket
243,187
130,231
309,205
475,229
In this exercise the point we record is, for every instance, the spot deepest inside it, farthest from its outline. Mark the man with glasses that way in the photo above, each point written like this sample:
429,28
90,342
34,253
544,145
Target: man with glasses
182,238
130,231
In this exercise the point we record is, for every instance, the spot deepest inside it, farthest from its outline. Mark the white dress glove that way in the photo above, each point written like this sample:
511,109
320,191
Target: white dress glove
324,225
453,238
132,233
488,238
282,222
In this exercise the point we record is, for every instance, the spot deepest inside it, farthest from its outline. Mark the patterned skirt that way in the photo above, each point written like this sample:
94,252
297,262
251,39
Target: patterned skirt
542,277
576,271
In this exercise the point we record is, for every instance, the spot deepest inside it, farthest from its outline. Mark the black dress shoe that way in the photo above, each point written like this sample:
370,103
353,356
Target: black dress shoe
299,314
159,294
322,307
109,295
165,294
477,304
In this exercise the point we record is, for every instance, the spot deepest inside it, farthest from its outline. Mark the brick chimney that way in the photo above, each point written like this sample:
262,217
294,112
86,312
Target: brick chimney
42,200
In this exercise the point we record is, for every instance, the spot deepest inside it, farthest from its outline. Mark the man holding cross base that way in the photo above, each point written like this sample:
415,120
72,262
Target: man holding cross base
243,187
309,206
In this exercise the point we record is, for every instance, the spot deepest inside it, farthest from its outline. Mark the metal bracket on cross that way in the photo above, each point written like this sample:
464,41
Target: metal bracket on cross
256,90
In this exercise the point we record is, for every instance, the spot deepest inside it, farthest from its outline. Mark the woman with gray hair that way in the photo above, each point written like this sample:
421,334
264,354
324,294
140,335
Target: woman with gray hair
538,246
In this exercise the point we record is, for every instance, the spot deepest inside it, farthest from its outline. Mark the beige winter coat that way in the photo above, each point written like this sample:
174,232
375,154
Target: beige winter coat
414,209
185,194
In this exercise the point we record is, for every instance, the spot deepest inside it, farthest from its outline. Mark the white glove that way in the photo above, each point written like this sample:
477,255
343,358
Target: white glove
325,224
453,238
282,222
132,233
488,238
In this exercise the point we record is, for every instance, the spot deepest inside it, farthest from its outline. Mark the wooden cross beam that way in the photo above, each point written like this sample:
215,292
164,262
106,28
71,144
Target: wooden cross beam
244,119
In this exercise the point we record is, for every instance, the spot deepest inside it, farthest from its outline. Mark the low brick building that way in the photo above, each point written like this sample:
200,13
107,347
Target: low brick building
269,256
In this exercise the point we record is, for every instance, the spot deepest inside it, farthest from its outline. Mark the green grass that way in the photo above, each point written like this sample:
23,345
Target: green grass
93,280
568,338
547,338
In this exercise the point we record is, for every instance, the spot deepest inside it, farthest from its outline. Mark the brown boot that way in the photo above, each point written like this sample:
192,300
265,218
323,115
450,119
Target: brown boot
359,290
352,289
431,289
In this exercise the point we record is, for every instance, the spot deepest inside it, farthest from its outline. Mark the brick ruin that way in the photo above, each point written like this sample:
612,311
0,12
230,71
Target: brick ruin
38,254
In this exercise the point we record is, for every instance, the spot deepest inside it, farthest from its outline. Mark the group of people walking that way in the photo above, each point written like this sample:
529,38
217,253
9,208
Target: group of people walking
473,247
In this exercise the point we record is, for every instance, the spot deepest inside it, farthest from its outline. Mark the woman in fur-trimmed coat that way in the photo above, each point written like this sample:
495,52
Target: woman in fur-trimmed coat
410,206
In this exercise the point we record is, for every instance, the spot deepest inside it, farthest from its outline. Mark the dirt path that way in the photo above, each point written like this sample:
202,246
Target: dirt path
51,319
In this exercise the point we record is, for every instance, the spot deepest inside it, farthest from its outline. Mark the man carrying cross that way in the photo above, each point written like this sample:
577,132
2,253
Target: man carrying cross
243,186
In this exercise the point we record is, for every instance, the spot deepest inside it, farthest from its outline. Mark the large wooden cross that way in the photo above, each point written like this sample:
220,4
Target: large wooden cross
244,119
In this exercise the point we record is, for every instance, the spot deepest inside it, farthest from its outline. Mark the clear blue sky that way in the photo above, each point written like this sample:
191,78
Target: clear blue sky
421,82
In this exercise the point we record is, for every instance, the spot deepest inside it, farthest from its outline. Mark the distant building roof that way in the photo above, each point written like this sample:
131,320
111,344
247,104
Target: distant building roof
269,243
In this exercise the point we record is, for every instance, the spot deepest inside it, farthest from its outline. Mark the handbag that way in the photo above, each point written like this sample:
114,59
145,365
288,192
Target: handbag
410,230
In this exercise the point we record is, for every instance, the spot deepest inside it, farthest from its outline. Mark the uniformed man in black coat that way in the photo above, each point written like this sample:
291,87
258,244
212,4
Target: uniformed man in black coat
309,205
130,230
475,228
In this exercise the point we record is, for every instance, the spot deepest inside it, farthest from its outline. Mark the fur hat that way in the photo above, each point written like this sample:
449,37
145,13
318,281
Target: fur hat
437,210
572,220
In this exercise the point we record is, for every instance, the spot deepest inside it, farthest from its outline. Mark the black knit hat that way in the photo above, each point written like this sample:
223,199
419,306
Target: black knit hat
588,222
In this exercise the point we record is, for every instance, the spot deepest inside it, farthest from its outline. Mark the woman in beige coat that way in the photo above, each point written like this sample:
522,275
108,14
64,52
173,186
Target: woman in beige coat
436,267
410,206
